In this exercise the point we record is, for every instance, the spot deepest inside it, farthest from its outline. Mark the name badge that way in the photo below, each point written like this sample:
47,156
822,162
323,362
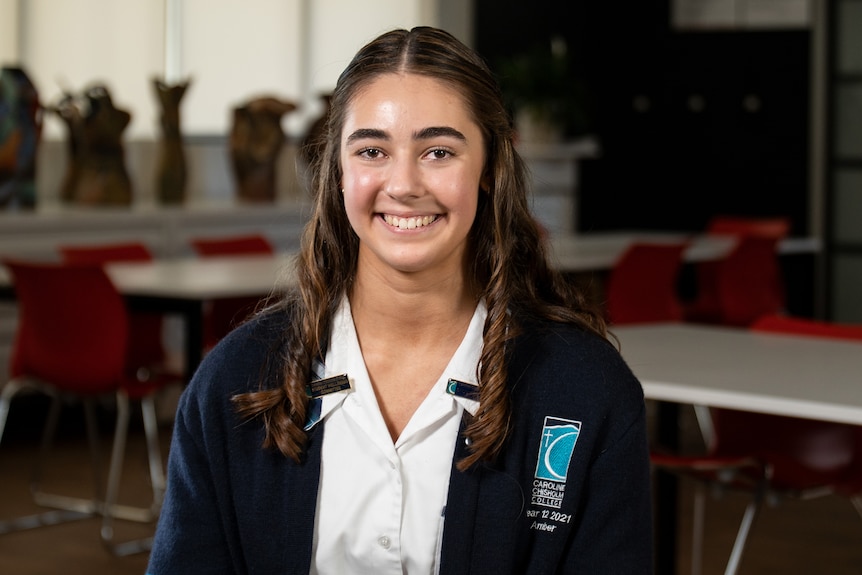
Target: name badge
325,386
463,389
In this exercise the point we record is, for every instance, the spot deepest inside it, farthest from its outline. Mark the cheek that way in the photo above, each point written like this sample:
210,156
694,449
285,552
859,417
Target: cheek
461,193
351,209
360,182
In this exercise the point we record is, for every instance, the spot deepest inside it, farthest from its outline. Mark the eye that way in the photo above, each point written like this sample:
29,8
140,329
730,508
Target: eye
439,153
370,153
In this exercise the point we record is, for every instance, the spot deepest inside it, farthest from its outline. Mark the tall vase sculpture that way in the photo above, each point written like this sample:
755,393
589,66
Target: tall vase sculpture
20,132
96,171
315,138
171,171
312,144
255,141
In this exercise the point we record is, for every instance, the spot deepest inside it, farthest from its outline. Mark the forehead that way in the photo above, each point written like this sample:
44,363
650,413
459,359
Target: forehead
390,97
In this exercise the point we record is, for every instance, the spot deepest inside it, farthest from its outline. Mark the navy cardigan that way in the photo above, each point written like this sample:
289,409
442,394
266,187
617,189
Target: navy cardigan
570,492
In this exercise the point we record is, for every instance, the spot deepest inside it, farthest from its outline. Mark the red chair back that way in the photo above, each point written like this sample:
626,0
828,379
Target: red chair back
642,285
232,245
146,347
778,323
748,282
104,253
777,227
72,326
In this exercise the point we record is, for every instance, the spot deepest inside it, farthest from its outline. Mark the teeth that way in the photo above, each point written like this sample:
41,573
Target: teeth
409,223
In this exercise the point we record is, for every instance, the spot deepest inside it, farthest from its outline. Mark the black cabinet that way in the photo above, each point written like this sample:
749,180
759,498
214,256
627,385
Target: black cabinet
719,125
690,124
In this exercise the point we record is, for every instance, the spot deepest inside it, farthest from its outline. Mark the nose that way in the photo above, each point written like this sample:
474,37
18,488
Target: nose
403,181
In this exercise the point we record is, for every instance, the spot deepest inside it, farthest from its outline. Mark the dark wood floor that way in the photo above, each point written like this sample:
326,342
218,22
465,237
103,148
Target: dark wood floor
818,536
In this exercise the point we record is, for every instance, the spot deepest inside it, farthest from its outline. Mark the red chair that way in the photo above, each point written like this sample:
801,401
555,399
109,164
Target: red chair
642,285
748,282
71,344
146,345
771,457
224,314
777,227
233,245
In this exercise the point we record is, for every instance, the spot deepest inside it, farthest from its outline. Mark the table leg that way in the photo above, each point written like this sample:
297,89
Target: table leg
666,486
192,314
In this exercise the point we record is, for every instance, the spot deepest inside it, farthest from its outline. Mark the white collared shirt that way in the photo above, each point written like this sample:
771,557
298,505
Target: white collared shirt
380,505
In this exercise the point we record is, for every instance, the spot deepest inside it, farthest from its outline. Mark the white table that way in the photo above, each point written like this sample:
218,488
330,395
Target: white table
792,375
799,376
203,278
182,286
600,250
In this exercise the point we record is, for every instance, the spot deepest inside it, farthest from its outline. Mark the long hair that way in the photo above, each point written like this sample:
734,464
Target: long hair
505,246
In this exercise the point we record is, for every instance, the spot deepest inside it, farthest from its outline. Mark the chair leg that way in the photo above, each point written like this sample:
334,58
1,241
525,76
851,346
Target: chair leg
112,509
65,502
748,518
6,394
698,522
45,518
154,452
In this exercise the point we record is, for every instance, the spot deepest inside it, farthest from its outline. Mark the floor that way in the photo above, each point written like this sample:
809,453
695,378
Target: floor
817,536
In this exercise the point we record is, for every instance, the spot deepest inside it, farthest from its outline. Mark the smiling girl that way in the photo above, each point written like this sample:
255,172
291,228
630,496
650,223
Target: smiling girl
433,397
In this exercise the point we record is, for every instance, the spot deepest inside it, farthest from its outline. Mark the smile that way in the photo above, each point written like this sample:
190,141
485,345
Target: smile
408,223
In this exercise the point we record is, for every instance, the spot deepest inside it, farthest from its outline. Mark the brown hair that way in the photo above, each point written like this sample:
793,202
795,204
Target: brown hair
510,268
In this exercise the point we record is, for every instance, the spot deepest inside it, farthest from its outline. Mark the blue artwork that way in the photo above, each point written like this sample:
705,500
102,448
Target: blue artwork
20,131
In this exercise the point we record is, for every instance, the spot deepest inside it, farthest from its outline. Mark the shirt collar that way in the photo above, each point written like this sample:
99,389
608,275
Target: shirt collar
343,351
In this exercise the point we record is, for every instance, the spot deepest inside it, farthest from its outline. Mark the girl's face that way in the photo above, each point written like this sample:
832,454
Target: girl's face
412,160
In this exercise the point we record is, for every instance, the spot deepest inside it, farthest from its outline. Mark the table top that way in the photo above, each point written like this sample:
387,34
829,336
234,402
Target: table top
800,376
204,278
600,250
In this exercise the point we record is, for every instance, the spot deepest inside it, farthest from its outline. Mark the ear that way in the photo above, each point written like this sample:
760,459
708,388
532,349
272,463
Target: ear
485,184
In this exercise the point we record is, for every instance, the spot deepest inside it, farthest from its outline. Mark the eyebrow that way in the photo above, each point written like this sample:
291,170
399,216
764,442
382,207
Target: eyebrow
436,131
423,134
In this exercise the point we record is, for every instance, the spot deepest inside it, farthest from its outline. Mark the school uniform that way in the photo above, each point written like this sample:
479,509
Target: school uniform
570,492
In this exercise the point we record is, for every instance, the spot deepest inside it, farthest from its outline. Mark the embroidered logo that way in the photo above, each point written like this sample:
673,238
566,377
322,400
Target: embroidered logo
559,437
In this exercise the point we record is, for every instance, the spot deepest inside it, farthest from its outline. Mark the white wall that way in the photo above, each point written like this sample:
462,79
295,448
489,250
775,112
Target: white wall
68,46
8,32
236,52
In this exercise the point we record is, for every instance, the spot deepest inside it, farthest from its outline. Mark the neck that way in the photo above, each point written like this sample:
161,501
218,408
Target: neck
410,310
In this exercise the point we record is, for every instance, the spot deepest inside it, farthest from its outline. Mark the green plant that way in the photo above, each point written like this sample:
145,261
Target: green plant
540,82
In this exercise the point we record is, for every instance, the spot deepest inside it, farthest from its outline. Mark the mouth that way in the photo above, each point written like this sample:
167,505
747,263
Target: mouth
410,223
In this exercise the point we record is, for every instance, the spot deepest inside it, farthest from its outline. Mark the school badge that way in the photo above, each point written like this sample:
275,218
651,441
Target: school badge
559,437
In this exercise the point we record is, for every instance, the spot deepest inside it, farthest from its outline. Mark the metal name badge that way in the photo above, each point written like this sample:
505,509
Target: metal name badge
463,389
321,387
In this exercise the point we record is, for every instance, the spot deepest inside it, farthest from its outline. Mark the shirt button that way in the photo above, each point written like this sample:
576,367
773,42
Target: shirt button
384,541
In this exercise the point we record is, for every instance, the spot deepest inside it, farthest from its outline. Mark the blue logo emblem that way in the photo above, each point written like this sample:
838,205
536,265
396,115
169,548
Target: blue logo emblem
555,450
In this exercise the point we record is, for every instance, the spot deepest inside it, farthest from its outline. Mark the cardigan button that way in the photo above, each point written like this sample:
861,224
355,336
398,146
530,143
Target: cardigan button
468,441
384,541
